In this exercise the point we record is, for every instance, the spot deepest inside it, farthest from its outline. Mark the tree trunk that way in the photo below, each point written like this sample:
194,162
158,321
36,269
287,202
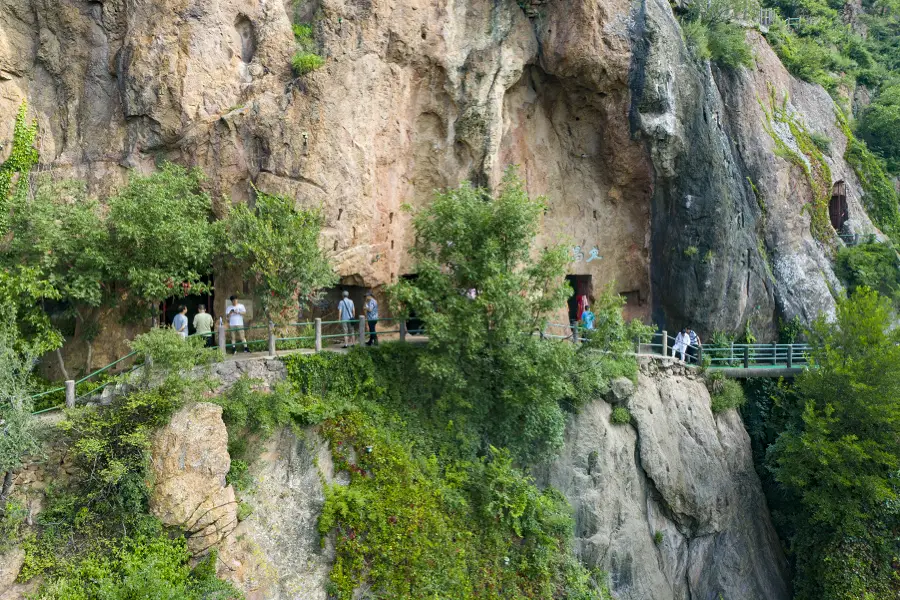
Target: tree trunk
62,363
90,357
4,491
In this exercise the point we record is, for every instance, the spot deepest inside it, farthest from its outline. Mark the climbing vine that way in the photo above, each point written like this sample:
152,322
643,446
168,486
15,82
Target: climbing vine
15,170
809,159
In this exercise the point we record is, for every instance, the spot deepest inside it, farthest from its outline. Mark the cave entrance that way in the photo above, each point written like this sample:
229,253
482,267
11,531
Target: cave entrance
582,288
837,207
170,306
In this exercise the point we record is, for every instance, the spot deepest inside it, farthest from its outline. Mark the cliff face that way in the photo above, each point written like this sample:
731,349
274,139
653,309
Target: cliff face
670,505
642,153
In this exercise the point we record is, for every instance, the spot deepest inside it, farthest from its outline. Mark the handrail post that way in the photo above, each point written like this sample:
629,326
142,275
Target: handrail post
318,334
575,333
700,355
271,339
746,357
362,330
790,356
774,353
70,393
665,343
402,330
637,344
220,331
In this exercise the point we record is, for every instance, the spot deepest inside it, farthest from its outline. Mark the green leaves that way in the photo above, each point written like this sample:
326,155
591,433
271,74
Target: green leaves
840,454
161,237
279,245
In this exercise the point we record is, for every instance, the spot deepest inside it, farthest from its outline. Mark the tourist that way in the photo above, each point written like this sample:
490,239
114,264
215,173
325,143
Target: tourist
372,318
180,322
346,313
694,348
203,323
587,318
235,314
681,343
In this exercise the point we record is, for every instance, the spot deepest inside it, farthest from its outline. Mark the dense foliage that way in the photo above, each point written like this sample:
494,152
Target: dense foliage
278,244
711,31
484,350
427,515
95,538
835,459
873,265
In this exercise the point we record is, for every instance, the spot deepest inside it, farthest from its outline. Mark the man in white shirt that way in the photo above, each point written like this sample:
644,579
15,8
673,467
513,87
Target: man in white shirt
235,314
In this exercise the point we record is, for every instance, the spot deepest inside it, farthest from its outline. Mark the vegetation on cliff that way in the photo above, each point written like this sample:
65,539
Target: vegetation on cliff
829,446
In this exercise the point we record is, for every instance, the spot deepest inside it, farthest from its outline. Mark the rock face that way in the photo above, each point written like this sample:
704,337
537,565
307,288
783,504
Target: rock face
645,156
672,507
189,463
276,553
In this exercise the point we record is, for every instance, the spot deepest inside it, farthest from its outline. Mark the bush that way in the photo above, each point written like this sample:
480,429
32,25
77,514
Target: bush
879,126
728,46
875,266
305,62
696,36
658,537
620,416
728,394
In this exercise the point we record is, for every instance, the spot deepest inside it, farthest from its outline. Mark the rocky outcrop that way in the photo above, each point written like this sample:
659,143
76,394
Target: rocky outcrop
276,553
670,505
189,463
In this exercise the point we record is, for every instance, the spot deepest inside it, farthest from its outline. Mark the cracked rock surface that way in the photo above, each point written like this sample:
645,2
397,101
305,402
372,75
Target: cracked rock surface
670,506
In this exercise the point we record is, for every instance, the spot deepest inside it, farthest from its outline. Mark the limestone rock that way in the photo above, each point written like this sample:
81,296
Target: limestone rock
681,472
189,463
10,564
276,554
620,389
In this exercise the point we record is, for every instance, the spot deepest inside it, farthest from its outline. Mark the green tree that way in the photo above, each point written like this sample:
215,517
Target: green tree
161,236
491,365
18,429
278,245
879,126
61,234
839,458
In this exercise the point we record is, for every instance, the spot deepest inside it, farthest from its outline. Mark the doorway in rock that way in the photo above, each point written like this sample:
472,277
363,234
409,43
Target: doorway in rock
170,306
838,211
581,286
414,325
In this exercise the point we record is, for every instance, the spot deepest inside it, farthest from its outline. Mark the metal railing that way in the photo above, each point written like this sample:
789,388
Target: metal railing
312,335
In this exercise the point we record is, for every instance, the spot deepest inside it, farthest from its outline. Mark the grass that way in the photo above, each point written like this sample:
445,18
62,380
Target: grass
305,62
620,416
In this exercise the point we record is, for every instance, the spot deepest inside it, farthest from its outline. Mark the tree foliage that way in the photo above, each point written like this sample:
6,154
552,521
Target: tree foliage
278,244
879,126
838,458
161,236
483,350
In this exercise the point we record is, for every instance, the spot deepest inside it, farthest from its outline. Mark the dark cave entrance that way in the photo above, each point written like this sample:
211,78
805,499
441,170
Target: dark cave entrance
838,211
581,286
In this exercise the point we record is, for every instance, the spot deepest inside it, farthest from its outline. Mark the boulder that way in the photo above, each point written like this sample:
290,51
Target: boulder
620,390
189,463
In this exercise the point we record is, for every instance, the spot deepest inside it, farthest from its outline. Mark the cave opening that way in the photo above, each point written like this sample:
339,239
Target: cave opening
838,211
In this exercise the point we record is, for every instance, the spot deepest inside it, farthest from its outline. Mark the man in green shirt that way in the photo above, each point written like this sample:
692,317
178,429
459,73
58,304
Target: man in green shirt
203,323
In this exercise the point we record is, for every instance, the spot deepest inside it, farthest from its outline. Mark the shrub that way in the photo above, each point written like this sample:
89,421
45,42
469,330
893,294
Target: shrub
305,62
302,31
658,537
620,416
728,46
875,266
730,394
691,251
696,36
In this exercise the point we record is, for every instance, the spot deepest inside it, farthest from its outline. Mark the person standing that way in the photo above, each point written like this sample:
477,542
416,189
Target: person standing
694,348
587,318
235,314
180,322
346,313
681,343
372,318
203,323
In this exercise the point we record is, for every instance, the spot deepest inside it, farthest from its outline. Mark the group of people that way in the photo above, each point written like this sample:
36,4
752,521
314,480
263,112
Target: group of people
687,342
203,323
347,313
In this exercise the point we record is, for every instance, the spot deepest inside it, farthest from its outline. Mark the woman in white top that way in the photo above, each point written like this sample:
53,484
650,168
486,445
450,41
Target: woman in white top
681,343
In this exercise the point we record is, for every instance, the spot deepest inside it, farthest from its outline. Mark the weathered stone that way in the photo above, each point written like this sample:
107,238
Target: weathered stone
275,553
189,463
620,389
682,472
